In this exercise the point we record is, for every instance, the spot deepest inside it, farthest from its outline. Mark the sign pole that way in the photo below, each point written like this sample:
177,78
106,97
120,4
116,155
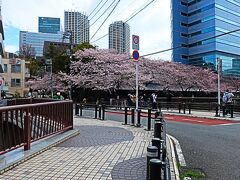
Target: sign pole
136,86
219,63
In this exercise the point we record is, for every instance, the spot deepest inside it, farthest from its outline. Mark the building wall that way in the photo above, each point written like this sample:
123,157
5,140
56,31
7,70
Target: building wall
36,40
48,25
202,19
78,24
14,80
119,37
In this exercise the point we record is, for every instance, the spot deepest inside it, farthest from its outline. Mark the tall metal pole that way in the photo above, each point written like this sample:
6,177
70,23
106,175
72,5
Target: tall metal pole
219,65
137,86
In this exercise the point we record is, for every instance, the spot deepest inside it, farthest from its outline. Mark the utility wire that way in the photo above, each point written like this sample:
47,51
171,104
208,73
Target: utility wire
106,18
140,11
102,13
98,10
95,8
128,19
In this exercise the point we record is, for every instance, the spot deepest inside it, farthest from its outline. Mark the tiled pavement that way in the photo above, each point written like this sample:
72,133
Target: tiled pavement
103,150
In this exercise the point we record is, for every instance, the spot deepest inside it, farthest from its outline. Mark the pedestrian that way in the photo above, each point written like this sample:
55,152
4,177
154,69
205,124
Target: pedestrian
227,101
154,101
129,100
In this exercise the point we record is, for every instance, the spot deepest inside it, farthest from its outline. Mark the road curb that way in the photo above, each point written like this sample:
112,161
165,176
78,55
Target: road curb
173,158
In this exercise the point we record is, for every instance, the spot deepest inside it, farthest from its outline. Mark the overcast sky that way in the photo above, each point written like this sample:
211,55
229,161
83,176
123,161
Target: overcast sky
152,24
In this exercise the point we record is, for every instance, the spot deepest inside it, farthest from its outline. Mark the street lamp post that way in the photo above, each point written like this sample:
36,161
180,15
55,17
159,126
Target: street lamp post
49,63
219,65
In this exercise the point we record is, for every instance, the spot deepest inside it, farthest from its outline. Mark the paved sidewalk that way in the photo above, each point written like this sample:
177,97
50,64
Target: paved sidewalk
103,150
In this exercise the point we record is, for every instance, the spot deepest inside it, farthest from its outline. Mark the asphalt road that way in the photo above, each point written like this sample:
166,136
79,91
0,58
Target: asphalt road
213,149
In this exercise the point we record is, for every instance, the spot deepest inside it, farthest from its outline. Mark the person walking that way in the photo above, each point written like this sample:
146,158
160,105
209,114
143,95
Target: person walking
227,101
154,101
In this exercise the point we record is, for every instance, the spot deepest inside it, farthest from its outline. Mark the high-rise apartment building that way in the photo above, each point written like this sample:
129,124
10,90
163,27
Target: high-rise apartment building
78,25
48,25
195,22
35,41
119,37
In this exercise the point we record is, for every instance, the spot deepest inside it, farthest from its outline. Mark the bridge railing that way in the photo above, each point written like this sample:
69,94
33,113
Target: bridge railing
22,124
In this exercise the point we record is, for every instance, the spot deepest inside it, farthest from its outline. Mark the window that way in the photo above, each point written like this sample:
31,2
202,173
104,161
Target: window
184,56
5,68
15,82
184,14
16,68
184,35
184,24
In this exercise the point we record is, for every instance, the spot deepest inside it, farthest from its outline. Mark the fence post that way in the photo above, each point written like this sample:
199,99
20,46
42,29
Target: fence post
224,110
100,112
231,110
133,111
155,168
138,118
76,109
81,109
151,154
189,108
96,109
149,119
217,107
27,132
103,112
184,108
179,107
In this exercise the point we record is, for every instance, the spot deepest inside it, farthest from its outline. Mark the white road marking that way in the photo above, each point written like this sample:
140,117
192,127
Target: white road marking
229,124
179,151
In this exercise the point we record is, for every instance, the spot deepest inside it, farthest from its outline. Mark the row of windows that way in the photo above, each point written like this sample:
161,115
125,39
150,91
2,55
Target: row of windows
14,68
190,3
198,10
207,30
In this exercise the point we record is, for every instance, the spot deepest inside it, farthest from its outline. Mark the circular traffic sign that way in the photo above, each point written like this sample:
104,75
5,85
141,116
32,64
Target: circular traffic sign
135,55
135,39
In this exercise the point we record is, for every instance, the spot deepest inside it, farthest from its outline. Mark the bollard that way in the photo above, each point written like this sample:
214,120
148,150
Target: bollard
164,152
100,112
126,115
179,107
138,118
103,112
184,108
132,123
155,169
158,130
149,119
151,154
81,108
217,115
231,110
224,110
157,142
189,108
76,109
96,109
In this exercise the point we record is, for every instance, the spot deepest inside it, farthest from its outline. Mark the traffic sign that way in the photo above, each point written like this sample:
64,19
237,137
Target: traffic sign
135,42
135,55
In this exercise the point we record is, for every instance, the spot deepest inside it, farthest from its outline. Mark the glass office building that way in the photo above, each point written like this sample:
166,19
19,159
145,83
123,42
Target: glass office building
48,25
36,41
197,33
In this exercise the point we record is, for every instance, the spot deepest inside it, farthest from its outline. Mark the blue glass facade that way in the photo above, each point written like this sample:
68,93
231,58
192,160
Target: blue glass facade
48,25
193,21
36,40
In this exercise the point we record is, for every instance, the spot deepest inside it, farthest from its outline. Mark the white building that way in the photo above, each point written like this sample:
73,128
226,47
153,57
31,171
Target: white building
78,25
119,37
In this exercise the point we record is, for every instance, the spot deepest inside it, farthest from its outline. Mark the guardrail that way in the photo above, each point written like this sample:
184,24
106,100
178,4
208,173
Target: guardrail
22,124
